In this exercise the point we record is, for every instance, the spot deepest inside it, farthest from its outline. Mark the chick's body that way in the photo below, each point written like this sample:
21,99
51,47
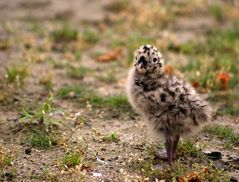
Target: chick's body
170,105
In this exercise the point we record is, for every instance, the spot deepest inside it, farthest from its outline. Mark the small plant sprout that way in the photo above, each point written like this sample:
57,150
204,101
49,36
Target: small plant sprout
43,115
7,172
5,159
72,159
16,74
108,78
77,73
78,55
65,34
5,44
113,137
90,36
217,12
42,140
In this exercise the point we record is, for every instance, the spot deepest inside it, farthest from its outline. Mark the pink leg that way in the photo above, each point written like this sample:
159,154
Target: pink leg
175,143
169,149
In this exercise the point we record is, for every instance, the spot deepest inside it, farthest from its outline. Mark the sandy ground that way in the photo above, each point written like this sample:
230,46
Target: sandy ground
108,161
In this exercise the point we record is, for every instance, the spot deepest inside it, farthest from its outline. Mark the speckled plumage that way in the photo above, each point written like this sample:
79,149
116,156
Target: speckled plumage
170,105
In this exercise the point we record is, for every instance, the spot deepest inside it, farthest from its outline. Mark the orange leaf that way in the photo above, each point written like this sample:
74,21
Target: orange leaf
223,79
110,56
192,176
181,179
195,84
102,27
169,69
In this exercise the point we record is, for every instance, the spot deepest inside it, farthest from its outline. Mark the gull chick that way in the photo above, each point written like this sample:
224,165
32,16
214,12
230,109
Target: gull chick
170,105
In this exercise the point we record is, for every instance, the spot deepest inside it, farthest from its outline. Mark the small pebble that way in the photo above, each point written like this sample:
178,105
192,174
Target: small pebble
28,151
9,176
233,179
97,174
12,119
106,180
214,155
103,149
33,171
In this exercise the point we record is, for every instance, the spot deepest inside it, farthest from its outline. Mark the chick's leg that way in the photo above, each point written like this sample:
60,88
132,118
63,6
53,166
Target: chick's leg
169,149
175,143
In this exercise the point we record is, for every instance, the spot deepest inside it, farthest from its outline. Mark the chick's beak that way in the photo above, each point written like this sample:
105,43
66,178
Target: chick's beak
142,63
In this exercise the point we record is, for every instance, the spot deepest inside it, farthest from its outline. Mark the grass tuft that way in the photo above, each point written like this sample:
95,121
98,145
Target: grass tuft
225,133
117,6
72,159
107,78
83,95
65,34
78,55
117,101
5,159
16,74
217,12
187,147
227,97
232,109
5,44
77,73
43,115
38,28
221,49
113,137
179,171
46,81
90,37
43,140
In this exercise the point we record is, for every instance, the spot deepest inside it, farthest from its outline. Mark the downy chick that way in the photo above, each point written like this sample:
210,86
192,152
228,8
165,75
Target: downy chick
171,106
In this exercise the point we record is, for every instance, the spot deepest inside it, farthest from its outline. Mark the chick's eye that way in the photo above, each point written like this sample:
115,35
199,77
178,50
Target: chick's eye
155,59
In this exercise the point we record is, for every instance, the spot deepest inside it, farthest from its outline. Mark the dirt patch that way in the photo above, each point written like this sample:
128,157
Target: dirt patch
112,141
